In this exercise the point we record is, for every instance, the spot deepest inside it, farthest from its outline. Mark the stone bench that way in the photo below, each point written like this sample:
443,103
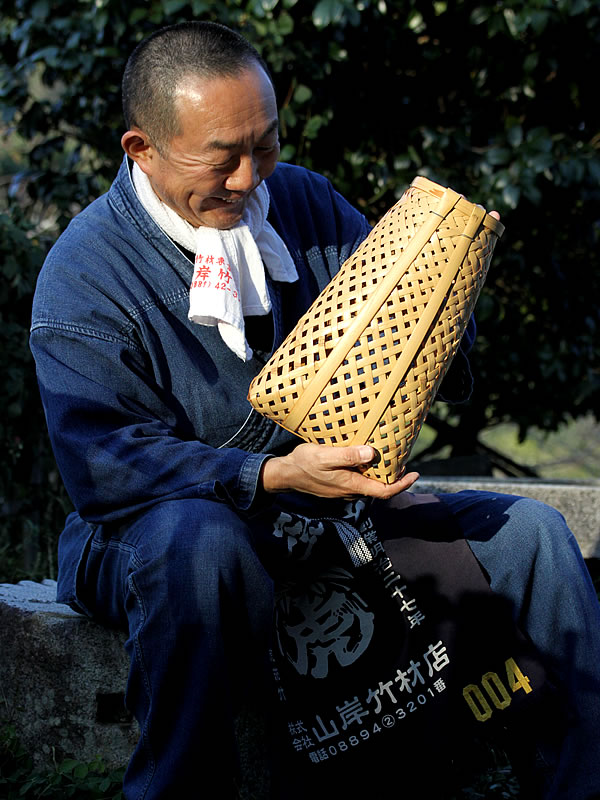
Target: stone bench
63,677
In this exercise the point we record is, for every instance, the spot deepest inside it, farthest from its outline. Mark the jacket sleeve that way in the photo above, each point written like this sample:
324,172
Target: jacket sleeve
118,438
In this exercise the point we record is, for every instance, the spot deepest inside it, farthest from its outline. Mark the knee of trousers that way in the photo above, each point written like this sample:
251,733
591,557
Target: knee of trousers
513,535
542,526
194,552
520,522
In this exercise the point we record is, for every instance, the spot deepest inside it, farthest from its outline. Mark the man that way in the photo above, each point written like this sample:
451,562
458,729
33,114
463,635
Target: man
154,310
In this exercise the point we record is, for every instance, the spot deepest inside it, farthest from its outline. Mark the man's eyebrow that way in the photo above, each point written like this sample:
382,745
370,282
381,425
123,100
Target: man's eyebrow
219,144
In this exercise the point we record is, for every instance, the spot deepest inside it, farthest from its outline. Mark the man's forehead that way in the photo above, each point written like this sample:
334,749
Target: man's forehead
224,104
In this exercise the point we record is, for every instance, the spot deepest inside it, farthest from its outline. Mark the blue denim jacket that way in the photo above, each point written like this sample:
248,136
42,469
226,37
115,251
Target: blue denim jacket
143,405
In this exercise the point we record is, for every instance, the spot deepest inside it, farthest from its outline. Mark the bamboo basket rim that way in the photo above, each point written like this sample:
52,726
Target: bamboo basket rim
464,205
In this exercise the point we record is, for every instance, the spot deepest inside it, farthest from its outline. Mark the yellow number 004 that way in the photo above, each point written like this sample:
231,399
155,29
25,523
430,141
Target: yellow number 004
495,690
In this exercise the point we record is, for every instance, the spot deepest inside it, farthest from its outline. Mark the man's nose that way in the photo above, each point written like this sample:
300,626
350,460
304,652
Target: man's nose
245,175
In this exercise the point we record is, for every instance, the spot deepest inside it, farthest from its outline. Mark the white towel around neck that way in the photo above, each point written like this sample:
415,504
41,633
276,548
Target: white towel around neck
229,271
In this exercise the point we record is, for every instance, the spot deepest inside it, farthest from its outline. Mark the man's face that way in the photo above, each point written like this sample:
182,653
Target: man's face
229,143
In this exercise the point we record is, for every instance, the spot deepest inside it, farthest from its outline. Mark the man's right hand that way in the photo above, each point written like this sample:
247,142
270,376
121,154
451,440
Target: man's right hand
327,471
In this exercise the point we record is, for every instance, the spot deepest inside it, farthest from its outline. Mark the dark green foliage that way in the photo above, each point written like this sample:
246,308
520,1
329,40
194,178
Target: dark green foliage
68,778
32,500
498,100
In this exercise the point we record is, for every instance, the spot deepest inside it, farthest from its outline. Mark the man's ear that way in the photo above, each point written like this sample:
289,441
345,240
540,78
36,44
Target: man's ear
139,148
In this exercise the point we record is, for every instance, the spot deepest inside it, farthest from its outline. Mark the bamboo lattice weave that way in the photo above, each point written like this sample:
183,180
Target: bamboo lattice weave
364,363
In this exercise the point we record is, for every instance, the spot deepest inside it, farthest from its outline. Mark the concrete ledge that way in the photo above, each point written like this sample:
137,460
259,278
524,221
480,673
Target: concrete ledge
62,678
578,502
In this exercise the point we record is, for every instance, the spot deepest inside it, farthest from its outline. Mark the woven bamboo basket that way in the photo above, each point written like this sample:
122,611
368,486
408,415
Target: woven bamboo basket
364,364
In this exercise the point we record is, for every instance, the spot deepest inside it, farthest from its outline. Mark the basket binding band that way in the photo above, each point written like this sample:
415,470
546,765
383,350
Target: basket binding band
415,341
314,389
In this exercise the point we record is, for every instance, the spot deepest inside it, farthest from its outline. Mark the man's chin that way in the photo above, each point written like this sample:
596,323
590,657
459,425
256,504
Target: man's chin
223,217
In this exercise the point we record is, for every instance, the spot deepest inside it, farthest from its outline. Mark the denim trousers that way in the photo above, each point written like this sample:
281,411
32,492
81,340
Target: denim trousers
191,582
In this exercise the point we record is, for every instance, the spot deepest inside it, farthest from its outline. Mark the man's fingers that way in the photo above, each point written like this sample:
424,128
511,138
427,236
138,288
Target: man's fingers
349,457
360,458
386,490
361,485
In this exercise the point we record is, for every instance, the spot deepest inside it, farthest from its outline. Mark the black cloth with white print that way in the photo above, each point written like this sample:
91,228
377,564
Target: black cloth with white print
390,652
